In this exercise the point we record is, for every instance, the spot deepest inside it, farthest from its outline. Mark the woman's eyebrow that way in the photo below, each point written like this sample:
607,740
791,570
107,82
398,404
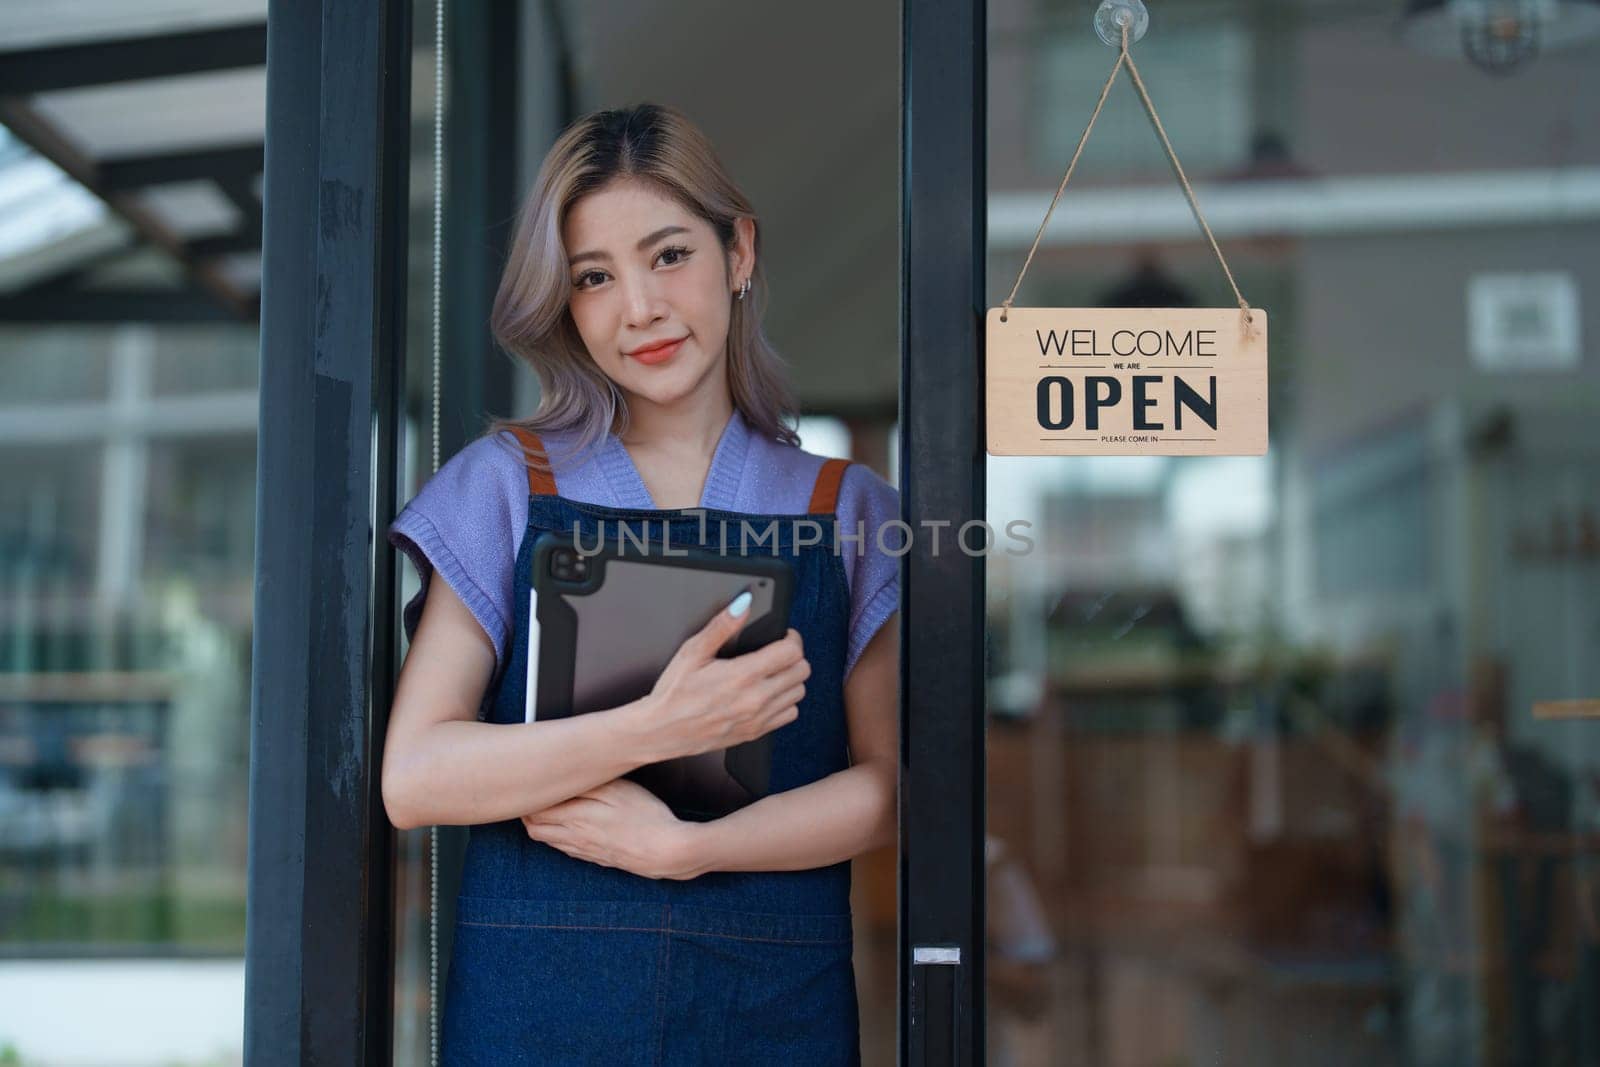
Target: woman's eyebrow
644,243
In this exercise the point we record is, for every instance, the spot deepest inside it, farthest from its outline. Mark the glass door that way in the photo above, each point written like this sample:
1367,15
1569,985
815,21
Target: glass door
1293,759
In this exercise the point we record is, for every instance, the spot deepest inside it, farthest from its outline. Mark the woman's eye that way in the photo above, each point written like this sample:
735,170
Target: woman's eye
678,253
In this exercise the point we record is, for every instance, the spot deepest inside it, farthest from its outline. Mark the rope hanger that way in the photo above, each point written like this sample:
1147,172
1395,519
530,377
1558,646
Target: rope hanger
1125,58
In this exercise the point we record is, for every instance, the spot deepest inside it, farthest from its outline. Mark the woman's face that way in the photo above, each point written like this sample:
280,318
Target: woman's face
644,270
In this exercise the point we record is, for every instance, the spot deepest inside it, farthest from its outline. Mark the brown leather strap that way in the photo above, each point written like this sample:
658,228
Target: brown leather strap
540,483
825,496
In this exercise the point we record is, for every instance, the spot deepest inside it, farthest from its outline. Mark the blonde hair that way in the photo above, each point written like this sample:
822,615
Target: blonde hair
532,320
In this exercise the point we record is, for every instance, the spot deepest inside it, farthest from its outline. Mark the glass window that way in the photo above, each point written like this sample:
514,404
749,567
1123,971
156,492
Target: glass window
1296,758
53,364
1198,73
126,558
206,359
200,514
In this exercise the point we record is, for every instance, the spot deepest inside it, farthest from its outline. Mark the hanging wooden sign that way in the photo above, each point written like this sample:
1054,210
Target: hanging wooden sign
1126,381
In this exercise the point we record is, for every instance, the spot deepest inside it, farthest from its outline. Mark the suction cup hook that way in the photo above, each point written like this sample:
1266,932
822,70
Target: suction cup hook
1112,15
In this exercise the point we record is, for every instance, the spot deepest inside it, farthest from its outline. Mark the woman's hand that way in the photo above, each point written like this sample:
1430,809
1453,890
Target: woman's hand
702,703
620,824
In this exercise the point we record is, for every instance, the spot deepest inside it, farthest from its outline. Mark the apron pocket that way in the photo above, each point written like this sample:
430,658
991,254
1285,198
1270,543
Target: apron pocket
554,982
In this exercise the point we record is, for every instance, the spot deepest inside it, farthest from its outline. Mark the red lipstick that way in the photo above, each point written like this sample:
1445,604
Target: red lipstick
658,354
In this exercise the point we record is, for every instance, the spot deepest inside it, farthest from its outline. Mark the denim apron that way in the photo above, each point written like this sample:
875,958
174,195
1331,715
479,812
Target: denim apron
560,961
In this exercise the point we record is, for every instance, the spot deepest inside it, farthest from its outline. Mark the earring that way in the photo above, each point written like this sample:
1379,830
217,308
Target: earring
744,288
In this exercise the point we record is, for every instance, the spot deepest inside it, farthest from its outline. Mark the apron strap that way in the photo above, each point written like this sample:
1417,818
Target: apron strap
540,483
825,495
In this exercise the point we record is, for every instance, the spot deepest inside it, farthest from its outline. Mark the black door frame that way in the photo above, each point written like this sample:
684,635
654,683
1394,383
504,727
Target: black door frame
318,929
943,181
319,967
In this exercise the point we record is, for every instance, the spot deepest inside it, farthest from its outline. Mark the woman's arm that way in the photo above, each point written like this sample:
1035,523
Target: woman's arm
443,767
835,818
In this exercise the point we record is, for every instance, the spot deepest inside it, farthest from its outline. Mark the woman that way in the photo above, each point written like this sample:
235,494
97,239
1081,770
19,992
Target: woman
592,925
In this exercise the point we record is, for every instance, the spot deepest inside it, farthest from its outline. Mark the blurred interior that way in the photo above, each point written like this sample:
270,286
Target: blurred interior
130,246
1292,759
1277,772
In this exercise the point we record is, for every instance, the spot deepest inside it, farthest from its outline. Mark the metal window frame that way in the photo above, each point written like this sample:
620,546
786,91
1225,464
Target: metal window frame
482,40
482,43
318,940
943,167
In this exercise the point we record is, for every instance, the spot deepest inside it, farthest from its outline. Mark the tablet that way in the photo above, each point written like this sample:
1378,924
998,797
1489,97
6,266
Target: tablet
603,624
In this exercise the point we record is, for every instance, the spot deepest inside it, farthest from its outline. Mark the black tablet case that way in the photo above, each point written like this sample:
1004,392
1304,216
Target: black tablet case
604,640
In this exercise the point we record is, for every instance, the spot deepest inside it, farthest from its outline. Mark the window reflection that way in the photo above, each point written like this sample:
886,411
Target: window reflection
124,637
1291,759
